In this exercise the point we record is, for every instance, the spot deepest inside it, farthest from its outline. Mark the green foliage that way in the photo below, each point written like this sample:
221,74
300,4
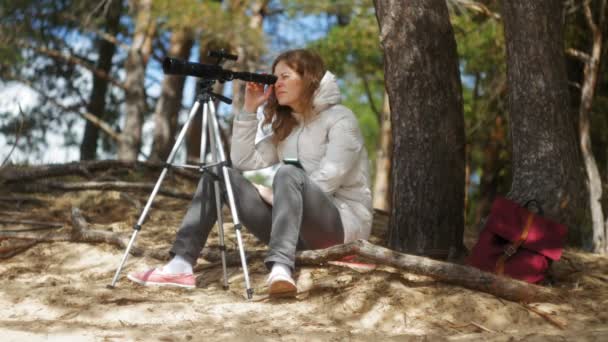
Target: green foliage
481,51
213,21
352,51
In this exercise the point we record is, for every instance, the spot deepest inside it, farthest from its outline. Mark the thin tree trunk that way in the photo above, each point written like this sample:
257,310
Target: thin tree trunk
547,164
423,83
382,194
135,69
170,101
592,66
97,101
247,60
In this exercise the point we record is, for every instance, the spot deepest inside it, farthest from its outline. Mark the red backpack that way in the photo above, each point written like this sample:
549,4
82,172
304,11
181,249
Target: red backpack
517,242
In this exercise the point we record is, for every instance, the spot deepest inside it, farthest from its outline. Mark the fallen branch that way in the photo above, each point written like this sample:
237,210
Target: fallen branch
81,232
460,275
17,198
43,225
13,173
50,186
10,251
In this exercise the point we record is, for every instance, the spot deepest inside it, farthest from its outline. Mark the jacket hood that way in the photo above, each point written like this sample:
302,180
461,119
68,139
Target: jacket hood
328,93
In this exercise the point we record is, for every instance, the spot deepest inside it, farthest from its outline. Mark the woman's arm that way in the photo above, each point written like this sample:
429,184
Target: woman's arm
244,153
343,149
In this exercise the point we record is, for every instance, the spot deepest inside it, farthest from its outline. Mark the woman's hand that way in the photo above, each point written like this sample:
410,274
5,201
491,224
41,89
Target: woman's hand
255,96
265,192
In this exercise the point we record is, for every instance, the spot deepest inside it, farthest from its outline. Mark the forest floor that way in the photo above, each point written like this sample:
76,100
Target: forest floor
57,290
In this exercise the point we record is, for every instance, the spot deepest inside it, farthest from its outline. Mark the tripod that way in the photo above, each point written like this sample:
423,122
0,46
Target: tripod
209,126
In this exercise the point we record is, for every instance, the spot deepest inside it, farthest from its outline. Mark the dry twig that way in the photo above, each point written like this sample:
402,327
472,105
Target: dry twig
545,315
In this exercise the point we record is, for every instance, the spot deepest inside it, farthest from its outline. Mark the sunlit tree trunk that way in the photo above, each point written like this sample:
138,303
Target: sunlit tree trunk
135,69
382,194
423,83
592,66
170,102
547,163
247,60
97,100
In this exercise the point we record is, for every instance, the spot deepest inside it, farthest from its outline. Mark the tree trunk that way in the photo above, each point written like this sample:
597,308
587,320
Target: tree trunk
547,164
135,69
592,66
382,193
170,101
247,60
423,84
97,101
193,136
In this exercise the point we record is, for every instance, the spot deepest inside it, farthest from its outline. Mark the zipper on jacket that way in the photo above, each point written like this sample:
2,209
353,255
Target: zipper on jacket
298,143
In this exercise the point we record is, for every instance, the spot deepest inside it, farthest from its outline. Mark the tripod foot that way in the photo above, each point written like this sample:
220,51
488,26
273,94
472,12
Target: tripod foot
249,293
110,286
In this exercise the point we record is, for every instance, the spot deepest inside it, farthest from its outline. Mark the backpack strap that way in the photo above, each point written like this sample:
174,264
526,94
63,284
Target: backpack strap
512,248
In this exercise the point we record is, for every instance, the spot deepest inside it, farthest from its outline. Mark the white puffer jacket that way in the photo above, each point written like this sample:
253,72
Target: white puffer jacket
329,146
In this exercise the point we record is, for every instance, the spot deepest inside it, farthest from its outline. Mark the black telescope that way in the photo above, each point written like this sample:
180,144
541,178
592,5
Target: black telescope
173,66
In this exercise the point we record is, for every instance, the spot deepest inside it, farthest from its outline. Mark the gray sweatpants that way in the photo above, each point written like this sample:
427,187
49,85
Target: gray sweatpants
302,216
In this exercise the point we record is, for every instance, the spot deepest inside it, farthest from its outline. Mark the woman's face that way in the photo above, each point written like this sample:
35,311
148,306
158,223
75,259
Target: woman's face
289,87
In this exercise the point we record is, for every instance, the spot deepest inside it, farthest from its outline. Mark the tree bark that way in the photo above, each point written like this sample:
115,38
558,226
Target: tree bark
423,83
97,100
170,101
547,164
135,69
382,193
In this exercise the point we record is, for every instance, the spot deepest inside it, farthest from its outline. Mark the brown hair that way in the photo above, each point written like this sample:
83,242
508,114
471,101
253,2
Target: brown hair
311,69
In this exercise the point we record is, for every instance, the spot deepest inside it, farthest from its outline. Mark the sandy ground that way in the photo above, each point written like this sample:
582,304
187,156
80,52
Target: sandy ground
57,291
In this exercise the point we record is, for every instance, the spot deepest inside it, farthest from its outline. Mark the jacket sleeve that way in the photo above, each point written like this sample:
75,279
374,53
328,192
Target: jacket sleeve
343,149
245,154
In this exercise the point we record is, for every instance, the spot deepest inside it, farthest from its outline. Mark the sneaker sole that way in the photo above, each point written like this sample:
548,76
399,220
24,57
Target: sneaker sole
282,289
148,283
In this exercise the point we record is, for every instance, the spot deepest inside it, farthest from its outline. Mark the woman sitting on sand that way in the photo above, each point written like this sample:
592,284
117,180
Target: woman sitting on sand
320,200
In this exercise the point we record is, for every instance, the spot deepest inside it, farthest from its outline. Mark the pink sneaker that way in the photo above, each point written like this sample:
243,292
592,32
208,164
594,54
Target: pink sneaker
155,277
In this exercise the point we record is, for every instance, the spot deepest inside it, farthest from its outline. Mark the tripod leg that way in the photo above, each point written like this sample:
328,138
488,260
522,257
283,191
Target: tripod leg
218,201
144,214
203,153
220,223
237,226
235,217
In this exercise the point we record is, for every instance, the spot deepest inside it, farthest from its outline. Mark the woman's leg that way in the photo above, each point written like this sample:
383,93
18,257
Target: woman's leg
198,221
303,213
254,213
